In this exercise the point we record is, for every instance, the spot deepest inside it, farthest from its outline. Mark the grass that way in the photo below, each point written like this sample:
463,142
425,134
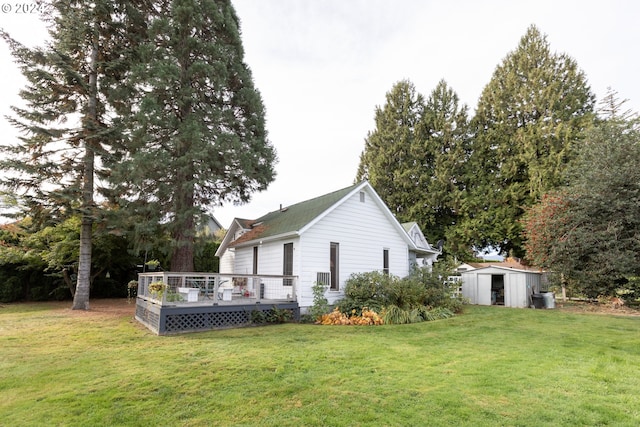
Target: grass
490,366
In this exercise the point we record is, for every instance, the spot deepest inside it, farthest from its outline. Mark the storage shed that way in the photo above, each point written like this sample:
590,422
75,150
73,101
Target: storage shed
496,285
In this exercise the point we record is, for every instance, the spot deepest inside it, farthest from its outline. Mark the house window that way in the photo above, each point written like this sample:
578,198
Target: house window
287,265
255,260
334,255
362,196
385,261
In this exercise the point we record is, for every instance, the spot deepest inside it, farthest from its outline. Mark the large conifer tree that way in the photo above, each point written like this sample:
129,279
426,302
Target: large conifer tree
65,125
387,160
529,119
196,123
415,157
443,152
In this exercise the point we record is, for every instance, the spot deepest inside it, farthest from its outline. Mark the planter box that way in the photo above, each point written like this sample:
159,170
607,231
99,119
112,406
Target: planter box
191,294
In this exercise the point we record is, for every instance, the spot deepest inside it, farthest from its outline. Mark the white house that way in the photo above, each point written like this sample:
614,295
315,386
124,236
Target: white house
325,239
423,256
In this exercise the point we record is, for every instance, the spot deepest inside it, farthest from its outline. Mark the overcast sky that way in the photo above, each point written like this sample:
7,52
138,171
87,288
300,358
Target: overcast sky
323,66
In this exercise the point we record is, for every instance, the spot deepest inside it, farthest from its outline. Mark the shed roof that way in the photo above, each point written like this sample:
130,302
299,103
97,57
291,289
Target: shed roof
509,262
503,268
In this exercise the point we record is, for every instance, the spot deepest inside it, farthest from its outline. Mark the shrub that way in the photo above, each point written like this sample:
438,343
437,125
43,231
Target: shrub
395,315
437,290
336,317
320,303
258,317
366,290
407,300
278,315
406,294
10,289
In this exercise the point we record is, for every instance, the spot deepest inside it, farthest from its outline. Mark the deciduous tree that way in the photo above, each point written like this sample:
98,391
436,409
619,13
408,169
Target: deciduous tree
590,232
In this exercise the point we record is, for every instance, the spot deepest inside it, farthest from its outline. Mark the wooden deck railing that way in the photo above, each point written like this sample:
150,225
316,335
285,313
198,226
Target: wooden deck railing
170,288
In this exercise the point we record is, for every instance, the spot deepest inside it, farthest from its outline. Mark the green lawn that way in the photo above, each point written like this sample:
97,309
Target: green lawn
490,366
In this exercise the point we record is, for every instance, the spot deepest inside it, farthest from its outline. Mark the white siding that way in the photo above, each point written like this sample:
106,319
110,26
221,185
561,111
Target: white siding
483,296
470,287
244,260
363,231
227,262
270,258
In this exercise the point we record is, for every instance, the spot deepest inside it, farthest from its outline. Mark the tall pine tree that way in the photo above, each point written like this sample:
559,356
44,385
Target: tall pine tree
529,120
387,160
443,152
415,158
196,124
65,123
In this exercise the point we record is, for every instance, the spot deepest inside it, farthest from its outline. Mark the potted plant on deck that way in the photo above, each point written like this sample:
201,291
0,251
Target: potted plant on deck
152,265
156,289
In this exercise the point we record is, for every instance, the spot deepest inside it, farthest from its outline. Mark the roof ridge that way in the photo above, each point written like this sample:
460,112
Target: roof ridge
295,217
313,199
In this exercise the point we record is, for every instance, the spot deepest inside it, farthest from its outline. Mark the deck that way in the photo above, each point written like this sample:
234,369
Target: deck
170,302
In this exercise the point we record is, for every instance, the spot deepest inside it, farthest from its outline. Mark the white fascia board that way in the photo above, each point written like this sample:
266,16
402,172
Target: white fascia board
334,206
256,242
392,218
227,239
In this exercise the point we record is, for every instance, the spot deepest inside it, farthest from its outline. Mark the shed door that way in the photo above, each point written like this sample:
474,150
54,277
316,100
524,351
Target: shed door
484,289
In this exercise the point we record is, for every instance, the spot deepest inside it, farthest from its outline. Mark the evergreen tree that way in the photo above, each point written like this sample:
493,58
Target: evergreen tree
443,152
196,124
65,124
530,118
415,158
388,161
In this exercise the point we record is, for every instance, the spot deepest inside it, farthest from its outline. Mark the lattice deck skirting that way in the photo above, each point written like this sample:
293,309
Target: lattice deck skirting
172,320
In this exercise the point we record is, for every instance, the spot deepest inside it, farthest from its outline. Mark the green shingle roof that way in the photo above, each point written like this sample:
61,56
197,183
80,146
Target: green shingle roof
292,218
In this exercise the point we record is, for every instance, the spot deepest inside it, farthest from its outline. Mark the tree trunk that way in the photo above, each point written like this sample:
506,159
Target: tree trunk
81,297
184,230
67,280
182,257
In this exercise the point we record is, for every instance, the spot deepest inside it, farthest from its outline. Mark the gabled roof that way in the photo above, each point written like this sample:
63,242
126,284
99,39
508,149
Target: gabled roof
422,244
285,221
296,219
292,219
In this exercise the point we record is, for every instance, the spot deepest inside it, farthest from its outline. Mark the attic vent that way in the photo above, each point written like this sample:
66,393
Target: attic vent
362,196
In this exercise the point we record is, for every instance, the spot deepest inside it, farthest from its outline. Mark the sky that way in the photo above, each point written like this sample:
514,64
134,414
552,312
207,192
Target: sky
323,66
